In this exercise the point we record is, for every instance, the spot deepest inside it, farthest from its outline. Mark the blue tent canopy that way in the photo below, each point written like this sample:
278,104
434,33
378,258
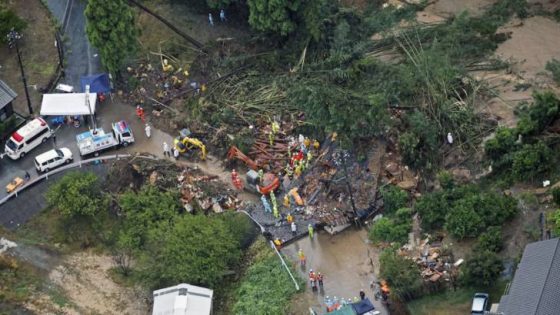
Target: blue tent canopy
363,306
98,83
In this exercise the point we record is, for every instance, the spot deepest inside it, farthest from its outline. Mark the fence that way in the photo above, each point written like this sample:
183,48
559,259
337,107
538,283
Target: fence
45,176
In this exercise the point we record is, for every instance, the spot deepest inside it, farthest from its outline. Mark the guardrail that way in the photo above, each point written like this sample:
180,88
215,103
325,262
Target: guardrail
275,249
45,176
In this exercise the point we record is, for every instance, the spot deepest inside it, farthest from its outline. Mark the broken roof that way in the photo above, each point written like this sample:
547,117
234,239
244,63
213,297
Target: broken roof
536,285
6,94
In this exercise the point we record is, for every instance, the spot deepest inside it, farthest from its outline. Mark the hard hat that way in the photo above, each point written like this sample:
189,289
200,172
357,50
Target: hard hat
310,270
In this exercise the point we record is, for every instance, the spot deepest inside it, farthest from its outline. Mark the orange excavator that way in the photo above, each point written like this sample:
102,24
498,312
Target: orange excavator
269,182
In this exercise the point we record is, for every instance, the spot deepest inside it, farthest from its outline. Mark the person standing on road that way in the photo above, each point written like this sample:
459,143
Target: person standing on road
294,228
27,176
175,153
362,294
301,256
148,130
166,151
210,19
310,229
222,15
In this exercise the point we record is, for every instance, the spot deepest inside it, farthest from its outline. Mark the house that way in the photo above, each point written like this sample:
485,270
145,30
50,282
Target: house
7,95
184,299
535,289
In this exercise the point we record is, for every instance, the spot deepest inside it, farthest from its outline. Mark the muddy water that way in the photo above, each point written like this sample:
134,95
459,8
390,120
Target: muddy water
347,262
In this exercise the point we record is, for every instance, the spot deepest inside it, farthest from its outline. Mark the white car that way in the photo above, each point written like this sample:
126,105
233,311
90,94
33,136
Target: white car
52,159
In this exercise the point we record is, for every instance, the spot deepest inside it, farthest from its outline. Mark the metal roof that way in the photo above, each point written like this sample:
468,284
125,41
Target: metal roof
536,285
184,299
6,94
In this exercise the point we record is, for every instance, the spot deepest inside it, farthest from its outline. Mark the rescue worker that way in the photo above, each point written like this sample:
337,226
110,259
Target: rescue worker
210,19
312,279
274,204
222,15
362,294
266,205
140,113
260,174
301,256
287,202
310,229
289,218
320,279
316,144
175,153
294,228
166,151
308,160
237,183
148,130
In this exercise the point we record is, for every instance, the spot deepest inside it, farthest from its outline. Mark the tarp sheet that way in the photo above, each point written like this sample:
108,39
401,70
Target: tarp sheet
98,83
345,310
363,306
67,104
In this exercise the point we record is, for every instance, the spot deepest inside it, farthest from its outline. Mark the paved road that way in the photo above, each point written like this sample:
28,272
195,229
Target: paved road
80,60
81,57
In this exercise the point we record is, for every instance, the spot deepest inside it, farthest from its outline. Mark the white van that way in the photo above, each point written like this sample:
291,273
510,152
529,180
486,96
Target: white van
27,138
49,160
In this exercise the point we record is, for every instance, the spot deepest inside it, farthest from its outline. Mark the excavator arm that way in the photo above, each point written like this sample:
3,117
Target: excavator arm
235,153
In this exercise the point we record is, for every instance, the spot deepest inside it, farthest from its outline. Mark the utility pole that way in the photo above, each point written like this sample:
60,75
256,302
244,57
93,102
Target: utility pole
341,159
13,38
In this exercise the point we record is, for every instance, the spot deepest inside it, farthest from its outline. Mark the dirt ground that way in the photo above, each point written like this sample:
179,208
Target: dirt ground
39,55
84,278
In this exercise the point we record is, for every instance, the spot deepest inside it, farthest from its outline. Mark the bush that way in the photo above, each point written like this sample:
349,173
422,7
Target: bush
535,118
419,145
554,67
491,240
9,20
266,288
446,180
394,198
389,230
482,269
503,143
402,275
532,160
556,195
432,209
77,194
463,221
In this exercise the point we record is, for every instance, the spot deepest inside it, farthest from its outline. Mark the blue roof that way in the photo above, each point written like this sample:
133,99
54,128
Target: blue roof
98,83
363,306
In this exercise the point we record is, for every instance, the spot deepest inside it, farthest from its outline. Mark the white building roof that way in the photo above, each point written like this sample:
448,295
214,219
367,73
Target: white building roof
183,299
71,104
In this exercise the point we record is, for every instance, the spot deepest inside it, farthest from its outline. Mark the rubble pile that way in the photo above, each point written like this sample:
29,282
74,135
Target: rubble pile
273,157
205,192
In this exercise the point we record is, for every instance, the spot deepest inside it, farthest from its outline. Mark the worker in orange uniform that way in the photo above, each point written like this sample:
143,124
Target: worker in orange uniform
140,113
237,183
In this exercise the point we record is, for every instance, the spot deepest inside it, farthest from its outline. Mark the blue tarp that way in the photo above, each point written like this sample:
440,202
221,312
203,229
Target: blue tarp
98,83
363,306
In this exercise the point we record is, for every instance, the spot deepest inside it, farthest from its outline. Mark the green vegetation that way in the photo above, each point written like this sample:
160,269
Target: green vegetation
284,17
522,153
394,199
556,195
266,287
482,268
110,28
554,67
8,21
402,274
465,211
392,229
491,240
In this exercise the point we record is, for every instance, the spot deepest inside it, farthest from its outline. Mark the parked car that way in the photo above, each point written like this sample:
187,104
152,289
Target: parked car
52,159
27,138
479,304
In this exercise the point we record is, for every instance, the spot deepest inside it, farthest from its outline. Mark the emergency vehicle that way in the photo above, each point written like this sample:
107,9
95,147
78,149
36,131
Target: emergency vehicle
93,142
27,138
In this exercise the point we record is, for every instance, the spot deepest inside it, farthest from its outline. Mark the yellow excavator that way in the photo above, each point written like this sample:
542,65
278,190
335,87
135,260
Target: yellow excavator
185,143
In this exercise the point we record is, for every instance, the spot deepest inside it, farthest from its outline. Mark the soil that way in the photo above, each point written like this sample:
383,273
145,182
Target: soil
84,278
39,55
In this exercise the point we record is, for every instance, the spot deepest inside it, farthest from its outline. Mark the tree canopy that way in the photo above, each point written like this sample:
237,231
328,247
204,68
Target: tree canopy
284,17
9,20
111,29
77,194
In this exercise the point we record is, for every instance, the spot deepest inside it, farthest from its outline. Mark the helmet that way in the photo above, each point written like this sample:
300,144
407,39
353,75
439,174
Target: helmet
310,270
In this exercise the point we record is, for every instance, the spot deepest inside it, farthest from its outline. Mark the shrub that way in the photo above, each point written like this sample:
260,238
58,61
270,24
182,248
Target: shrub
432,209
491,240
77,194
482,269
389,230
554,67
446,180
535,118
532,160
503,143
463,221
9,20
394,198
556,195
402,274
420,144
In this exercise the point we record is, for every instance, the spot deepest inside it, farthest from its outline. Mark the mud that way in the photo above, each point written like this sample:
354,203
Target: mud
348,262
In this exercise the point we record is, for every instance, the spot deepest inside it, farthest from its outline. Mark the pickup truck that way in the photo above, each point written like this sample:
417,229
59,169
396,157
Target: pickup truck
93,142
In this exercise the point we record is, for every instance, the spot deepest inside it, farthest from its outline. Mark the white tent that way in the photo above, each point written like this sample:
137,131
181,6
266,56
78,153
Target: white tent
67,104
